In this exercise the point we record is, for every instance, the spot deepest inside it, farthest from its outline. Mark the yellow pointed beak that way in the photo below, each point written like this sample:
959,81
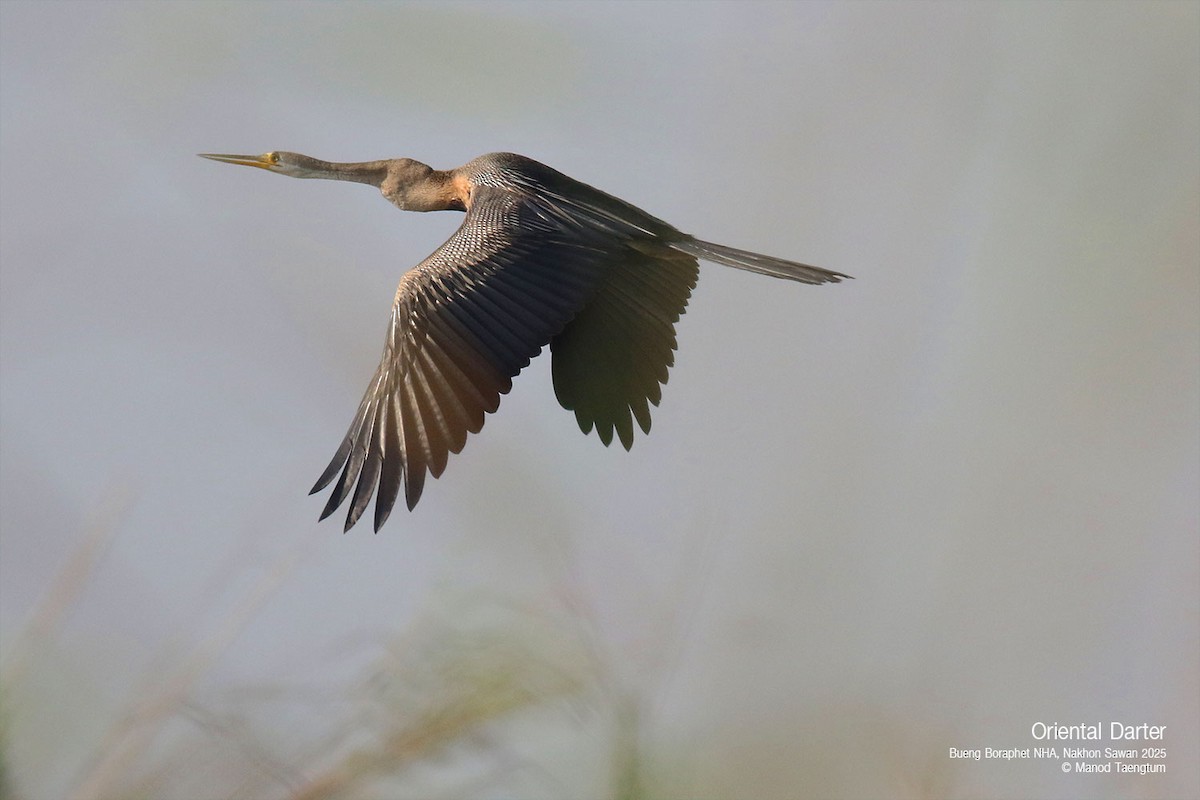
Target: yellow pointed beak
265,161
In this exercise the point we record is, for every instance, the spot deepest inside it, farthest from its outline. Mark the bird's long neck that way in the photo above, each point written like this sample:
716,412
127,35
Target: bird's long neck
408,184
371,173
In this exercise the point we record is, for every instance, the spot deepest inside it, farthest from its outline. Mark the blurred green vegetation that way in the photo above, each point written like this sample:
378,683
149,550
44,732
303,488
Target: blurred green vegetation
447,701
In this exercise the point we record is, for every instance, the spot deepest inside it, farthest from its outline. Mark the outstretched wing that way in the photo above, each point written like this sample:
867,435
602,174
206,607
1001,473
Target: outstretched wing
464,322
612,358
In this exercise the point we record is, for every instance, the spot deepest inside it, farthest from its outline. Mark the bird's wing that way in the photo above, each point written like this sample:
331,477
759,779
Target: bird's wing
464,322
610,361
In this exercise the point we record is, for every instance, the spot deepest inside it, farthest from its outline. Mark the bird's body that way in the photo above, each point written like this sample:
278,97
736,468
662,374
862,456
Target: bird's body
539,259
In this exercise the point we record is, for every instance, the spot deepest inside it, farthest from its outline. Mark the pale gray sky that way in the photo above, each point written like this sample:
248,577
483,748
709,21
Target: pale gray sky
922,509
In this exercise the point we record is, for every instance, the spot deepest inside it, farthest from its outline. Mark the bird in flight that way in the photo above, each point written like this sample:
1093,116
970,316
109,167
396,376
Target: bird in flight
540,258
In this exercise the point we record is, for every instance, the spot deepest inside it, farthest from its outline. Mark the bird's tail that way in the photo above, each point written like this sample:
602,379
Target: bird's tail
756,262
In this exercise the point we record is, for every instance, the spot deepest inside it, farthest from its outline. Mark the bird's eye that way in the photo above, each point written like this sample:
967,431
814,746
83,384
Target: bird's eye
273,158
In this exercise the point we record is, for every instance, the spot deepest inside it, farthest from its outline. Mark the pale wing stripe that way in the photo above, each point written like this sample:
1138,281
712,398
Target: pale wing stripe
433,420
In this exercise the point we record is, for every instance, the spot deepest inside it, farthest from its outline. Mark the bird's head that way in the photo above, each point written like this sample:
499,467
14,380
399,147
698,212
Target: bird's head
291,164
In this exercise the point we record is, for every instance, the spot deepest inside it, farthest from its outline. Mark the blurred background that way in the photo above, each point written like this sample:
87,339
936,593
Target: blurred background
919,510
